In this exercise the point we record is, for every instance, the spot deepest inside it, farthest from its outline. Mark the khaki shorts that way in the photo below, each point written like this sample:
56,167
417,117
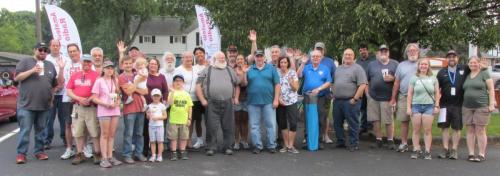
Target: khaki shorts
84,118
401,109
379,111
178,131
476,116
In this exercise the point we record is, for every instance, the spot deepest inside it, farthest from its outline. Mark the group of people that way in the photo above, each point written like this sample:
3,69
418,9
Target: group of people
161,103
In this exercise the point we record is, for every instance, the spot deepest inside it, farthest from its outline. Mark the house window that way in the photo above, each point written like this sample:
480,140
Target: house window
183,39
147,39
197,39
171,39
153,39
176,39
140,39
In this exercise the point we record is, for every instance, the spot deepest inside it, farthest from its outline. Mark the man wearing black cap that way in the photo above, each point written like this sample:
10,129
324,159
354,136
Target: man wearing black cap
37,78
451,80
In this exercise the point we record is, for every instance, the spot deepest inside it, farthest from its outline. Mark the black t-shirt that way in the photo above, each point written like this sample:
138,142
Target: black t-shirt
35,92
445,84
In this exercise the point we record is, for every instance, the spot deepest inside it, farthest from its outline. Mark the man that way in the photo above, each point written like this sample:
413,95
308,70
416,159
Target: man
169,68
380,74
350,83
232,53
56,58
263,91
97,59
404,72
133,116
218,97
37,78
133,52
317,79
451,80
79,90
363,61
190,75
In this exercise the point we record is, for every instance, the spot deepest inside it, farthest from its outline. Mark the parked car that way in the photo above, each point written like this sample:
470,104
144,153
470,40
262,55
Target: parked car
8,93
495,75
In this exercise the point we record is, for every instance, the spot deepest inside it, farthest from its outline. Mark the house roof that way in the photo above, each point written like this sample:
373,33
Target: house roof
164,26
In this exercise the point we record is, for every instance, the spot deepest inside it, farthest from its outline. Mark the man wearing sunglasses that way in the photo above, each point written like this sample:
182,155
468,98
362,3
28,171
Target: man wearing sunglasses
37,78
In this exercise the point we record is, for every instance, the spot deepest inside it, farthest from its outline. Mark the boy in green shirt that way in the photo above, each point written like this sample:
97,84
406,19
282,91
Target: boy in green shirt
180,118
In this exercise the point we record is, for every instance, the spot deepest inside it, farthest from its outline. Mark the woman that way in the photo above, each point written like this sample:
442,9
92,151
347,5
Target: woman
155,80
240,110
105,92
477,107
423,102
287,111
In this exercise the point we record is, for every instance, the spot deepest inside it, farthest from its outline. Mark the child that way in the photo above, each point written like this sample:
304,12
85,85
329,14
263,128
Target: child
157,112
180,118
142,73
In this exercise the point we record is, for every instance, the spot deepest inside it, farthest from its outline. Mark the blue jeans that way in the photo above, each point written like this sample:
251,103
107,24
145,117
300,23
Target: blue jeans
257,113
56,109
26,119
344,110
133,134
426,109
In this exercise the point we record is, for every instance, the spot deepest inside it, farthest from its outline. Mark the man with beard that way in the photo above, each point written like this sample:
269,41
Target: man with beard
169,68
404,72
363,61
451,80
218,97
380,74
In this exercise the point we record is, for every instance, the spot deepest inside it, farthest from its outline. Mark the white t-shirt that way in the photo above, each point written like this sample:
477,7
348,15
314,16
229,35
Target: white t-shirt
156,110
53,60
190,78
142,85
69,69
168,77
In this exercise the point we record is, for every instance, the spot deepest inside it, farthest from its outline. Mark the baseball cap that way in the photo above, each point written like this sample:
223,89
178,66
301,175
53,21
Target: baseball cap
319,45
133,47
87,57
108,64
178,76
259,52
40,45
232,47
155,92
383,47
451,52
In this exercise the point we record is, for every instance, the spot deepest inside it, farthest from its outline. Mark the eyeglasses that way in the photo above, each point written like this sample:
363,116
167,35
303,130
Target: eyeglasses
46,50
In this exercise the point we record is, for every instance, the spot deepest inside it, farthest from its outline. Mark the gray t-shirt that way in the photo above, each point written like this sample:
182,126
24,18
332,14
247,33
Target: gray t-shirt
379,89
221,87
405,71
35,92
364,63
347,80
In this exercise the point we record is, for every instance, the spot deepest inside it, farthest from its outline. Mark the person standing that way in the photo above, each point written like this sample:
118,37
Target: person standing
451,80
350,83
288,112
479,102
37,78
240,109
363,61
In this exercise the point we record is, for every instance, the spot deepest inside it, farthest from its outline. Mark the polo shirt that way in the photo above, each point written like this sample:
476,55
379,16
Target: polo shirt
261,83
315,77
445,83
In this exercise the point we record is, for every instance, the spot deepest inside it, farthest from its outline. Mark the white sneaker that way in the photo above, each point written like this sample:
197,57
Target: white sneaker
236,146
245,145
159,159
152,158
198,143
87,151
67,154
328,140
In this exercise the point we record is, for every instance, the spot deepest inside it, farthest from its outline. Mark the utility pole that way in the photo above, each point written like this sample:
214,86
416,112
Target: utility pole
38,22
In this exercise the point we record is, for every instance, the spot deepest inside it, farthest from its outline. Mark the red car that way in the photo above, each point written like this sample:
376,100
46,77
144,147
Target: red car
8,93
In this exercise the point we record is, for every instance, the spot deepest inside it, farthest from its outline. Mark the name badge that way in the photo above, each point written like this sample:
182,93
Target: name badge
461,72
453,91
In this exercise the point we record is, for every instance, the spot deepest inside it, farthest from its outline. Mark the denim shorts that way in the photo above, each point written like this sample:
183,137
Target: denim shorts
422,109
242,106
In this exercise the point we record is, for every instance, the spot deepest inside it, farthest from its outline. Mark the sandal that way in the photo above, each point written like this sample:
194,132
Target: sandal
480,158
471,158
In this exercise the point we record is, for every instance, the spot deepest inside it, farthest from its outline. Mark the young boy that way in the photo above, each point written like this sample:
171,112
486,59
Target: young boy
156,113
180,118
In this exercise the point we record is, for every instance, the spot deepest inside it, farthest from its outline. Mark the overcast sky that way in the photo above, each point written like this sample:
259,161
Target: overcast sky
18,5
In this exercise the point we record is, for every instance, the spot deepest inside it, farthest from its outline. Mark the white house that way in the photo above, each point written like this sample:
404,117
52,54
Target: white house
161,34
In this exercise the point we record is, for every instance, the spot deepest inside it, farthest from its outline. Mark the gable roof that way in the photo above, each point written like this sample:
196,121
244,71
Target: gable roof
164,26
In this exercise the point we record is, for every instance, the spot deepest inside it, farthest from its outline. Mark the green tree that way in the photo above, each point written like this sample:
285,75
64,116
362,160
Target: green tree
17,31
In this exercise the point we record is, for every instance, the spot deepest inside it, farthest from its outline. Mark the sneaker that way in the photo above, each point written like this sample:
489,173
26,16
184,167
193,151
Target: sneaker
402,148
272,150
105,163
159,158
152,158
256,151
87,151
283,150
246,146
328,140
415,154
115,162
293,150
42,156
480,158
378,144
353,148
141,158
445,154
453,154
427,155
78,159
304,141
68,154
209,153
184,155
321,146
391,145
47,146
227,152
97,158
20,159
236,146
198,143
173,156
128,160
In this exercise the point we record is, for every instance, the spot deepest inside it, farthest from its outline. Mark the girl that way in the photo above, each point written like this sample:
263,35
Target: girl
157,112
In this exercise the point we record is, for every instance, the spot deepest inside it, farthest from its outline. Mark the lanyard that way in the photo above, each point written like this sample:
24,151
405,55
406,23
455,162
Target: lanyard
452,80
